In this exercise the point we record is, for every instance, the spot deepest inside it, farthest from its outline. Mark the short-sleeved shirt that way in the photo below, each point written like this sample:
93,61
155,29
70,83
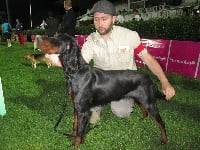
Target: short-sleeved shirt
19,27
5,27
115,54
6,30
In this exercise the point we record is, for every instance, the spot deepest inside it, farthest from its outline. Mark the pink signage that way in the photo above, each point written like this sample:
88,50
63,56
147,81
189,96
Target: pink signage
182,57
80,39
159,49
197,73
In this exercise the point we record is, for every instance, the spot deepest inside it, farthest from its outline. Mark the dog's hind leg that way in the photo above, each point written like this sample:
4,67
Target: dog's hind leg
144,111
153,111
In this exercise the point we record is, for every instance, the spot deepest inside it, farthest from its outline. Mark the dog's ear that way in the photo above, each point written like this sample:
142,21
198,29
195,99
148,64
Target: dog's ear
67,45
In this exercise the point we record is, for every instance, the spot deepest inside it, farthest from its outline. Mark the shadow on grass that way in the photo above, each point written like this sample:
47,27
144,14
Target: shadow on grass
50,102
186,110
187,83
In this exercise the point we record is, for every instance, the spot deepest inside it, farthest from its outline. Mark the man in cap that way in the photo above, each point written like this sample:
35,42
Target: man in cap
113,48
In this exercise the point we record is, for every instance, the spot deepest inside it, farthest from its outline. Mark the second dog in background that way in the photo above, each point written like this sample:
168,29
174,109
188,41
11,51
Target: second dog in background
38,58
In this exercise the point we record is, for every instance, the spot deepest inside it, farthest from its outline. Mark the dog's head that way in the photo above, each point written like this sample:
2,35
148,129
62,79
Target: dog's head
67,48
29,56
63,43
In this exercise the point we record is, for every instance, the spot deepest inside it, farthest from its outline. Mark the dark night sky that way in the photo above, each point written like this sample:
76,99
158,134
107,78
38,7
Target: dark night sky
20,9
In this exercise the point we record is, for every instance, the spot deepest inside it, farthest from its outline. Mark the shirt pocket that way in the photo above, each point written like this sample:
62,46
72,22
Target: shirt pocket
124,55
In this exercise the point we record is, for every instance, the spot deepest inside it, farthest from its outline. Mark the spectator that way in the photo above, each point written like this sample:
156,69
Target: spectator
136,15
52,24
120,17
6,31
69,19
43,25
19,30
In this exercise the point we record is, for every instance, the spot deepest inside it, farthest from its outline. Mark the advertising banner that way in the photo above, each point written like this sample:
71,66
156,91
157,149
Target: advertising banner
184,58
159,49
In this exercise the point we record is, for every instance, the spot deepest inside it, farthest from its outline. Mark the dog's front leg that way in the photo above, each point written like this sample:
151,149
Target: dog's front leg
75,125
34,65
82,120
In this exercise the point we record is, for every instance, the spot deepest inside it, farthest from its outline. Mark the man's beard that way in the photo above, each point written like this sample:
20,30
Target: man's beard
105,31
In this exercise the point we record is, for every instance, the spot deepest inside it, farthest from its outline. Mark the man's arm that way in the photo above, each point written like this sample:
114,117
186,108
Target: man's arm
154,66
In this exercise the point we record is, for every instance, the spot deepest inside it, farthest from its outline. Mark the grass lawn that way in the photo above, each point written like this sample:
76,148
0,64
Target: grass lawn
34,99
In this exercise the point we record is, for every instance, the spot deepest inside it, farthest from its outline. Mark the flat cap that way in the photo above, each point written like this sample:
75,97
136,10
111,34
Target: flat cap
104,6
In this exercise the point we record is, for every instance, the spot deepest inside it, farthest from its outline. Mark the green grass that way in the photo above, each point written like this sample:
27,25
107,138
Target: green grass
34,99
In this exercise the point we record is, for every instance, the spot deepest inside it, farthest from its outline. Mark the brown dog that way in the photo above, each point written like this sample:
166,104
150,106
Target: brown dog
38,58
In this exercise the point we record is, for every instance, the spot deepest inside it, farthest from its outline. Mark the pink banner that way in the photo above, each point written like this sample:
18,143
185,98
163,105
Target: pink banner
80,39
197,72
157,48
184,56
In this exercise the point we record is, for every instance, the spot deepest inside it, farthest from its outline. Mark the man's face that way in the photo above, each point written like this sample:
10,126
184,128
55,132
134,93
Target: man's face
103,22
66,5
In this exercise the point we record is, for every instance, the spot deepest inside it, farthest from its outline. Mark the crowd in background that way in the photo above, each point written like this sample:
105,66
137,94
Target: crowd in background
51,24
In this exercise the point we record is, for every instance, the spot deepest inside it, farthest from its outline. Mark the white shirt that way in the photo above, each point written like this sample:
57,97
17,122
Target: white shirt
115,54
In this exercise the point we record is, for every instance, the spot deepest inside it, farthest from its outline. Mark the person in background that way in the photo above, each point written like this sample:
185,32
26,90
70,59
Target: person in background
113,47
52,24
6,31
120,17
69,19
136,15
43,25
19,30
1,35
52,30
59,29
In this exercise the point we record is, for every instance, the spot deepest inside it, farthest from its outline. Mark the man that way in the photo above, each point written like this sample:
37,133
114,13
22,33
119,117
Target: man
136,15
6,31
52,25
113,48
119,17
69,19
19,30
